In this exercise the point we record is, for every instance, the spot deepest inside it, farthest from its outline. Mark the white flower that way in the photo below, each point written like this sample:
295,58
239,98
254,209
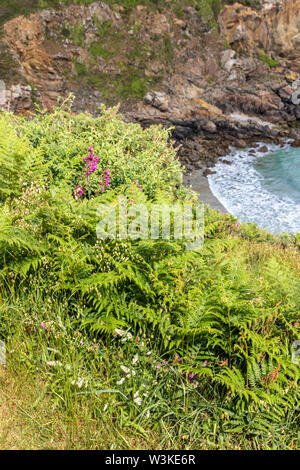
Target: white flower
148,414
126,335
120,332
105,407
121,381
138,401
80,382
125,369
54,363
135,359
136,394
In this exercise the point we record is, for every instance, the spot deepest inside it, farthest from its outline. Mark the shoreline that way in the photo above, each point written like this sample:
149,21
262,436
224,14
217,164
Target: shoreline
199,183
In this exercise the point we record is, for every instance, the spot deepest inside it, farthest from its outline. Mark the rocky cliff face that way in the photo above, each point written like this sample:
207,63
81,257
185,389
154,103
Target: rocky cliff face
275,28
216,85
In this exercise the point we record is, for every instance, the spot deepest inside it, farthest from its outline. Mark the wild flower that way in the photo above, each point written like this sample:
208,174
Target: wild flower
80,382
54,363
137,399
126,335
91,165
43,325
121,381
105,179
139,187
135,359
78,191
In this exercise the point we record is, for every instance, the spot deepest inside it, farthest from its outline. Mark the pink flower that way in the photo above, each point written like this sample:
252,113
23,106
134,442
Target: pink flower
91,166
43,325
191,375
204,363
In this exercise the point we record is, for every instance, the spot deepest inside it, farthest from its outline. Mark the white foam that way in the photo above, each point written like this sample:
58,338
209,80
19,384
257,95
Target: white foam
239,188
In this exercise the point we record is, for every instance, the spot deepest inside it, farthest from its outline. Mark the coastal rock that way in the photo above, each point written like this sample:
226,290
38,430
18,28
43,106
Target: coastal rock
209,126
16,98
208,171
158,100
275,28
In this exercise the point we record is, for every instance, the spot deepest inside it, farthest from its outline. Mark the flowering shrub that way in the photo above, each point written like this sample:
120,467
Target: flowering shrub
127,152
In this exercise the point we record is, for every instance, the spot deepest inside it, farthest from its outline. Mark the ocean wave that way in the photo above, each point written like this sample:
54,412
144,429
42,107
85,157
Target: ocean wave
246,193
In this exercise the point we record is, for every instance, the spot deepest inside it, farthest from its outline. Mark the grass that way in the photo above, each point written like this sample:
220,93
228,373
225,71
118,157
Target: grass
97,50
268,60
42,409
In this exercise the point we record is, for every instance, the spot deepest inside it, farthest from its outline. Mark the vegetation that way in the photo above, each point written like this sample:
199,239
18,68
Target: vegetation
139,343
267,60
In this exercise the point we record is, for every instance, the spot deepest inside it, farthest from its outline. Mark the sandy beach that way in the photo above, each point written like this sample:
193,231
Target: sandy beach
199,183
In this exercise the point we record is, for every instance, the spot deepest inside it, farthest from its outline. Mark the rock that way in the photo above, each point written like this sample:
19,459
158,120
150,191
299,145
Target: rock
263,149
194,157
209,126
208,171
193,92
160,24
227,56
240,143
296,143
275,26
158,100
227,162
15,98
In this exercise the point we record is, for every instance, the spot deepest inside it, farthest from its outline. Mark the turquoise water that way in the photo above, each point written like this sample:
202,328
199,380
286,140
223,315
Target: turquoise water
280,172
263,188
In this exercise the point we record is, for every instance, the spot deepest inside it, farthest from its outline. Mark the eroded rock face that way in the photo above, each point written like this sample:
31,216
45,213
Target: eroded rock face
274,28
44,60
15,98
